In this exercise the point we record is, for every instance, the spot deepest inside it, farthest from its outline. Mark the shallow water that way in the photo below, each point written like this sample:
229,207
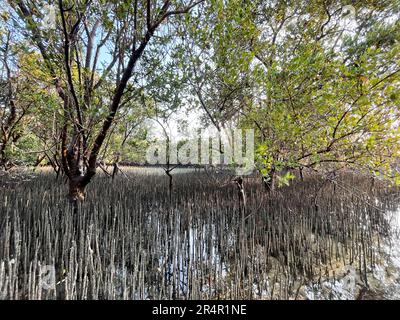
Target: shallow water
131,241
383,277
390,275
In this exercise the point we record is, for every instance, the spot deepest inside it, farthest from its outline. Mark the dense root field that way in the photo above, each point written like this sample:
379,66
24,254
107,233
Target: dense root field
131,240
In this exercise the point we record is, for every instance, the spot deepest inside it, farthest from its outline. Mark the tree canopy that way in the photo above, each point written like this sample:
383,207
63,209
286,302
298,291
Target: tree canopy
318,81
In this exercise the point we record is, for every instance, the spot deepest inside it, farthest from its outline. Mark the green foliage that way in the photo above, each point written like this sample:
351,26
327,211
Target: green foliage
284,180
320,87
325,101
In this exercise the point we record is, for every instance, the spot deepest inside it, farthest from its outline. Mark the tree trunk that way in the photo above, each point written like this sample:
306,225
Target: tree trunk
170,186
115,167
77,190
241,195
3,156
301,174
269,181
115,170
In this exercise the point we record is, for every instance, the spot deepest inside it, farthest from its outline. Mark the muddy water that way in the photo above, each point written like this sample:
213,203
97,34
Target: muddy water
310,240
383,278
388,274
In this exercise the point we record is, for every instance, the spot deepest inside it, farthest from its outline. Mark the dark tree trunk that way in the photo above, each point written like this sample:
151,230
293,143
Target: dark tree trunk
170,186
269,181
241,194
58,173
115,170
301,174
77,190
3,156
115,167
